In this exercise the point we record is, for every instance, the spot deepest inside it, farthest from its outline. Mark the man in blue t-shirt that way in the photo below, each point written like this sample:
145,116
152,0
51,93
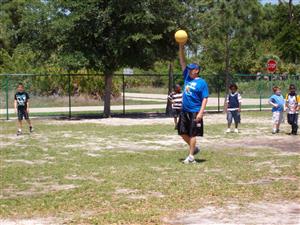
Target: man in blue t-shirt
194,100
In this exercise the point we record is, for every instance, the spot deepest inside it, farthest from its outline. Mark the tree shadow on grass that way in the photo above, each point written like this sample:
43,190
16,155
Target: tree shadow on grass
24,134
129,115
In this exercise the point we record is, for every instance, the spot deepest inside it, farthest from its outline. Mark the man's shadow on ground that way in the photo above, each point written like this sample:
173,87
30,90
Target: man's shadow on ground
197,160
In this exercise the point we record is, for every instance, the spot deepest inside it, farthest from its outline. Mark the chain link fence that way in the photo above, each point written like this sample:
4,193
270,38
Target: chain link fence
71,95
257,88
82,94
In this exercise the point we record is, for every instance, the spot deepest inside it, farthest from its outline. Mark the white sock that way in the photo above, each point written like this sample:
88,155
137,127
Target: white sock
191,157
20,130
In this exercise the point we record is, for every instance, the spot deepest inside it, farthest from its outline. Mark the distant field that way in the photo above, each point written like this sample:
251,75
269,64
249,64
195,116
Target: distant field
128,171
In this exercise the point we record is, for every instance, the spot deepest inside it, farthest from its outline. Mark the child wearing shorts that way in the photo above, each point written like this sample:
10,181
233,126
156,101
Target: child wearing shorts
277,101
292,105
21,105
233,108
176,98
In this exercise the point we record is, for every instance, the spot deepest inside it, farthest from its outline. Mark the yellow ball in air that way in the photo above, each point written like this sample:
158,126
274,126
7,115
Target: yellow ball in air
181,36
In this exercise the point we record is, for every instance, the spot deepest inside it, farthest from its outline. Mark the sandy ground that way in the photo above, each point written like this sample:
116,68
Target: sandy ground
261,140
260,213
94,144
233,213
31,221
266,213
208,119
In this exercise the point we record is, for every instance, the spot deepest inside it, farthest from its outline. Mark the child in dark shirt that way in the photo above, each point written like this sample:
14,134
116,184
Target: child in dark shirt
233,108
21,105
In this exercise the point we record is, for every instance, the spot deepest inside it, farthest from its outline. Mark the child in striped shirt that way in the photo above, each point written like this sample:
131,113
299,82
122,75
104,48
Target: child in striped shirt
176,98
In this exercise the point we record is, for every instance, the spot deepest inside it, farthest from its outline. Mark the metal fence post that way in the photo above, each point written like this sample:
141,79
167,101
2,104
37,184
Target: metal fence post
271,87
219,92
260,87
69,90
6,94
123,94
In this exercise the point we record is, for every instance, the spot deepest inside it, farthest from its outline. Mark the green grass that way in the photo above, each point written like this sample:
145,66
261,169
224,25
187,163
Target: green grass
160,185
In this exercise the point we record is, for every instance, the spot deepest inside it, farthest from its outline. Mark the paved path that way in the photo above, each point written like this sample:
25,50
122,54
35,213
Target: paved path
211,101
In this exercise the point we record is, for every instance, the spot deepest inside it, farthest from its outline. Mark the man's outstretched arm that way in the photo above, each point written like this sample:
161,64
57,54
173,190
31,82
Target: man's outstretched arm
182,57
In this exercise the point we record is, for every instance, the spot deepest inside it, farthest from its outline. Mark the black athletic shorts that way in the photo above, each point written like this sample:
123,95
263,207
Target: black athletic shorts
188,125
22,113
176,112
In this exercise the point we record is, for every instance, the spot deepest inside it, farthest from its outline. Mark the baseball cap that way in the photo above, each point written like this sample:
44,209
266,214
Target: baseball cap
193,66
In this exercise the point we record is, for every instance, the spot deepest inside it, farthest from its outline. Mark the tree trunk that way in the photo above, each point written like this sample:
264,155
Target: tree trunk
107,93
228,78
290,11
171,84
227,61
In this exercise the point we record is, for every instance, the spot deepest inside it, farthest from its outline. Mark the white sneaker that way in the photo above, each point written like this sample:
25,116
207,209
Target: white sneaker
228,130
236,130
189,159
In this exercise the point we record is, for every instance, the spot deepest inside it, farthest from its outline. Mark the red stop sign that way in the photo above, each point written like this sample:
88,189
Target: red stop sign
271,65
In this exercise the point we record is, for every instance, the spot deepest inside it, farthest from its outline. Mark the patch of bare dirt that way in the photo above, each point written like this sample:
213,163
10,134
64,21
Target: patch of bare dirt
268,180
28,162
288,144
160,169
126,191
266,213
258,137
88,178
208,118
31,221
136,195
36,188
60,219
93,154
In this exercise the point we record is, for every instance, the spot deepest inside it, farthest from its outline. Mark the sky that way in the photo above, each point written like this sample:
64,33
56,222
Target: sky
276,1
